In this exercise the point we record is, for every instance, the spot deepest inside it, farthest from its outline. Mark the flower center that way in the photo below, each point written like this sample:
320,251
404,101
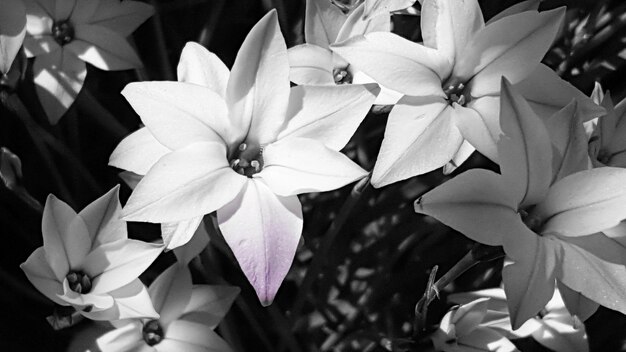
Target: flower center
63,32
79,282
604,156
531,221
152,332
247,160
456,94
341,75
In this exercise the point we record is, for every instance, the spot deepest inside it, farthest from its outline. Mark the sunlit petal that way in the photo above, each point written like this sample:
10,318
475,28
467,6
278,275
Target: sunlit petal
40,274
124,339
103,48
138,152
39,16
199,66
35,46
57,219
102,218
170,293
195,334
211,302
529,5
178,233
198,242
322,22
311,65
356,24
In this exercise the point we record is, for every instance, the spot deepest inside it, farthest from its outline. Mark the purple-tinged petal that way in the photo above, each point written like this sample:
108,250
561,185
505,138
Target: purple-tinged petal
103,48
179,114
179,233
190,182
138,152
263,230
12,31
420,136
116,264
476,203
328,114
170,293
258,89
102,218
301,165
199,66
310,65
40,274
322,22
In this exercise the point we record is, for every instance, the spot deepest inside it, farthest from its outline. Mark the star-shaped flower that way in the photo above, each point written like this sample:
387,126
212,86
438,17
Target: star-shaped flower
546,214
65,34
451,82
243,144
88,262
187,316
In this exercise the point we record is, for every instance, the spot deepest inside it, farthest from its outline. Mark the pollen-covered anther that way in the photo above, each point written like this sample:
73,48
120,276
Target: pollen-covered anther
247,161
79,282
152,332
456,94
63,32
342,76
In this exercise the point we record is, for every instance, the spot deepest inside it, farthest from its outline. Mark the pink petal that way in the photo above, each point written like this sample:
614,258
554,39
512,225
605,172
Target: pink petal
194,334
300,165
199,66
329,114
12,31
310,65
102,218
476,203
263,230
322,22
420,136
103,48
190,182
171,292
138,152
179,233
179,114
258,89
40,274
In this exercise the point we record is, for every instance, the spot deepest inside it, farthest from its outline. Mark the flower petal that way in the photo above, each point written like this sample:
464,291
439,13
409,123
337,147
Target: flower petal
170,293
130,302
115,264
258,89
377,7
63,9
12,31
396,63
39,16
328,114
199,66
138,152
479,124
190,182
122,17
58,76
584,203
301,165
103,48
210,304
420,136
188,336
198,242
102,218
529,282
448,25
126,338
263,230
523,6
40,274
179,114
322,22
40,45
475,203
462,154
310,65
179,233
497,51
356,24
524,149
467,317
577,304
485,339
96,304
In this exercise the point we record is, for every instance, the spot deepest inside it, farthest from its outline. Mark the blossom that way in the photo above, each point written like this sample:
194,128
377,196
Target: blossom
325,24
187,316
65,34
554,328
451,82
550,227
374,8
244,144
88,262
462,329
607,145
12,32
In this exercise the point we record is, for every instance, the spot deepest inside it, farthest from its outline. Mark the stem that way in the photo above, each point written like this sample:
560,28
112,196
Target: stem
209,27
326,245
478,254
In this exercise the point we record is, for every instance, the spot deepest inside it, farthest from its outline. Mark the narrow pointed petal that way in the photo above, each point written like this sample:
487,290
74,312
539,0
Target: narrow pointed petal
462,154
529,282
179,233
184,335
103,48
577,304
548,93
170,293
258,89
63,9
39,16
479,124
198,242
396,63
58,76
594,266
122,17
497,51
475,203
524,148
126,338
116,264
356,24
310,65
102,218
300,165
329,115
189,182
377,7
40,274
179,114
209,304
322,22
584,203
12,31
263,230
40,45
529,5
448,25
138,152
420,137
83,11
130,302
199,66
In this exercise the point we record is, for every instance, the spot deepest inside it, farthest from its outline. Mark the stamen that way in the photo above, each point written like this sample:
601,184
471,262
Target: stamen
456,94
152,332
342,75
79,282
63,32
242,147
247,159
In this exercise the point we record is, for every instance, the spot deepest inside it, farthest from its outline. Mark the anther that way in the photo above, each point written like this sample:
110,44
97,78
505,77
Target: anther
242,147
78,282
342,76
152,332
63,32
